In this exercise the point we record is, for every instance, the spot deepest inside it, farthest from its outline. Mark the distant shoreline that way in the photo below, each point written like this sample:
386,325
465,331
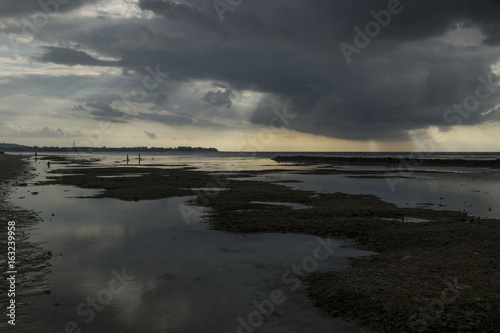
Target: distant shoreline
33,149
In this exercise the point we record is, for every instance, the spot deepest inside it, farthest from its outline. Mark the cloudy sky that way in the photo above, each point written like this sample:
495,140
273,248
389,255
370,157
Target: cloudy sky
267,75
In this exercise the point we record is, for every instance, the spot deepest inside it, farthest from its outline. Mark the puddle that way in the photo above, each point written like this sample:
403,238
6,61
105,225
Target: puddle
288,204
473,190
130,175
415,220
209,189
409,220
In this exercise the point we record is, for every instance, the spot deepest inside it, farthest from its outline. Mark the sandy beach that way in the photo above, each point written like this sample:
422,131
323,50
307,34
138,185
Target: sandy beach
441,275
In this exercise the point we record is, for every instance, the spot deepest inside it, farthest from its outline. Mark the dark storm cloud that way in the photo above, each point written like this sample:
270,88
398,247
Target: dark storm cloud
168,119
161,100
80,108
218,98
70,57
150,135
105,113
147,31
405,78
80,88
14,8
178,120
189,12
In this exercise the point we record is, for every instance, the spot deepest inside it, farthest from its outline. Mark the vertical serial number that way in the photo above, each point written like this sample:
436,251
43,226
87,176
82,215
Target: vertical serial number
11,272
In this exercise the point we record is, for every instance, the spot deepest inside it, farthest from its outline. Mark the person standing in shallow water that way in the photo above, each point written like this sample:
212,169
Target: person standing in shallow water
48,164
139,158
127,159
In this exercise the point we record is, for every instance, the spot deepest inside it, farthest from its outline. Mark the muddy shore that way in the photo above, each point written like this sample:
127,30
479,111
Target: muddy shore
439,276
32,261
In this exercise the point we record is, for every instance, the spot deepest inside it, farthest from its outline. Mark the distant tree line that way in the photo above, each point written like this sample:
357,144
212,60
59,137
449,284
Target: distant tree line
9,147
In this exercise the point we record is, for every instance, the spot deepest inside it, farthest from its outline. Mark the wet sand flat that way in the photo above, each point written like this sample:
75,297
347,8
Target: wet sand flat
438,276
187,278
32,262
10,166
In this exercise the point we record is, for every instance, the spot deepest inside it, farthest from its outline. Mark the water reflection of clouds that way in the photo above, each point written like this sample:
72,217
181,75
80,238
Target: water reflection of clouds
93,238
188,279
173,313
93,230
471,189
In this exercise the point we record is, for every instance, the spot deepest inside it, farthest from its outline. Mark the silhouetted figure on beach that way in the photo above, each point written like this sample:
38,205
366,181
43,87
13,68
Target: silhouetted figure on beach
139,158
36,156
48,164
127,159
